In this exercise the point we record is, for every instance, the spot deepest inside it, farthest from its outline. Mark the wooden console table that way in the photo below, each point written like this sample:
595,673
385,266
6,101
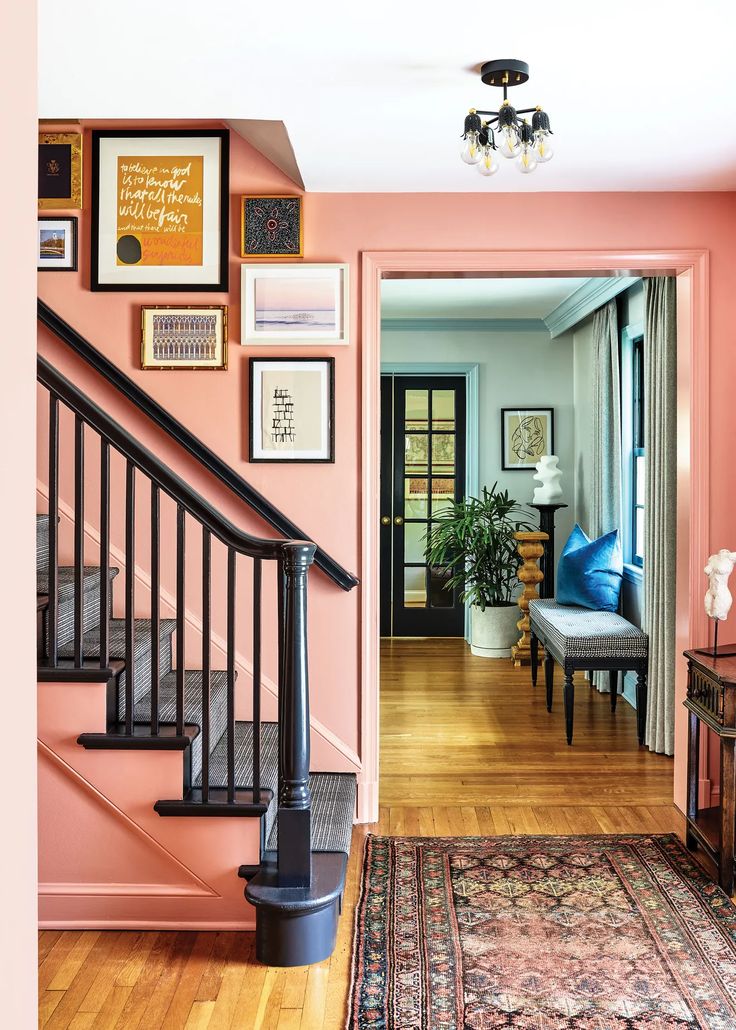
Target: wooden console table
711,699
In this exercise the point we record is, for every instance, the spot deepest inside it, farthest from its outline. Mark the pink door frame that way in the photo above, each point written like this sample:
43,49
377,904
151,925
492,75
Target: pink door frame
693,474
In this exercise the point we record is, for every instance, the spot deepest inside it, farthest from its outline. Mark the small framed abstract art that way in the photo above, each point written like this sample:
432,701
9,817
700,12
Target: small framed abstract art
160,210
526,434
184,337
271,227
292,409
60,170
295,304
57,244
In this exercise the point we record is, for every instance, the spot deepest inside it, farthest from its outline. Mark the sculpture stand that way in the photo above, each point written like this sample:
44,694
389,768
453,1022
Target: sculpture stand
547,525
531,548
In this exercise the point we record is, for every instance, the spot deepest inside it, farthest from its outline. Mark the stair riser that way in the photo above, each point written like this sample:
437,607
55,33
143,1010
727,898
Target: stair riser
90,615
42,544
142,674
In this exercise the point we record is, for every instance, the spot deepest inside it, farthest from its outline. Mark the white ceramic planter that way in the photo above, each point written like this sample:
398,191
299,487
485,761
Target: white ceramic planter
493,632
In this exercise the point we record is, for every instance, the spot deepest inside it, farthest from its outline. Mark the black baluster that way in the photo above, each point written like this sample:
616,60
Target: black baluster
257,579
230,674
206,549
53,584
155,590
180,541
294,849
129,593
104,554
78,541
280,609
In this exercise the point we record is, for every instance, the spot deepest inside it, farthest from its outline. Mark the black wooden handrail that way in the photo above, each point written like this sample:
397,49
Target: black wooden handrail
206,457
142,458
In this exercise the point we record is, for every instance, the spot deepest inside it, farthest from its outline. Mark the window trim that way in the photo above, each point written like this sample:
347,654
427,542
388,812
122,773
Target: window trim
630,335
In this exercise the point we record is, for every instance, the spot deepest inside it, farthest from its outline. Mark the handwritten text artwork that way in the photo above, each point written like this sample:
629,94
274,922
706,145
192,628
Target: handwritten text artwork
160,210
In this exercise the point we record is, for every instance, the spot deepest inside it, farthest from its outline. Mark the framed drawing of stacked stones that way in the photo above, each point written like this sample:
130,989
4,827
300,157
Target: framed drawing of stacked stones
292,409
271,227
160,210
184,337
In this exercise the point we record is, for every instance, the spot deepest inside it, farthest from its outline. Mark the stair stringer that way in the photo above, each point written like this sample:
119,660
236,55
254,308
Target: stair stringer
186,869
328,751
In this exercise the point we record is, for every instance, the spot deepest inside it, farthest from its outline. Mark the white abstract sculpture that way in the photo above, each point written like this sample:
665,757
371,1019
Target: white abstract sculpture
718,596
549,475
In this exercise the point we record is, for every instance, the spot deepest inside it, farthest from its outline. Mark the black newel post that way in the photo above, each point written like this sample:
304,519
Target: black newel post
547,525
294,847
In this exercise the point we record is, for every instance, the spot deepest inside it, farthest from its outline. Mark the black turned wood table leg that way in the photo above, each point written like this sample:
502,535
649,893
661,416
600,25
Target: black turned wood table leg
693,753
534,650
613,685
728,815
641,704
569,703
549,675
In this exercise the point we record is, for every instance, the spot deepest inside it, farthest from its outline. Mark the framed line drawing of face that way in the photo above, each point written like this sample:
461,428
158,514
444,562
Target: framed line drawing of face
57,244
526,434
295,303
292,409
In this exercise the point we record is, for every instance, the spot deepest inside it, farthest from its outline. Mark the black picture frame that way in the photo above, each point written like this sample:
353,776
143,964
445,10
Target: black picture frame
222,284
330,363
526,411
74,226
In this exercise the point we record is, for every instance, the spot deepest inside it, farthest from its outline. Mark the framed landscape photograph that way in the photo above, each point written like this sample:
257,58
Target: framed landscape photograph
526,434
271,227
295,304
160,210
60,170
186,337
292,409
57,244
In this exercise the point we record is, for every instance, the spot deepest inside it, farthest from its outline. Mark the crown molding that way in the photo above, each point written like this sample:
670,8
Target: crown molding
488,325
592,295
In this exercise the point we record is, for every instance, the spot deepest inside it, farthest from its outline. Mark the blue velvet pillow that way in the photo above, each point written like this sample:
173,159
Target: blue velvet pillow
589,572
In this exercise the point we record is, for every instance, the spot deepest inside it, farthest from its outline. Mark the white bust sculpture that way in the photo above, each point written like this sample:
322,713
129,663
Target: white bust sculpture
549,475
718,596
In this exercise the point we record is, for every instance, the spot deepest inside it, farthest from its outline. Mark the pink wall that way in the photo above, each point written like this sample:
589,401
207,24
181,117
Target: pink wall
325,499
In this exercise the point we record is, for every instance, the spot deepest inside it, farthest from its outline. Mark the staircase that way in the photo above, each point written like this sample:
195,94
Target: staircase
253,769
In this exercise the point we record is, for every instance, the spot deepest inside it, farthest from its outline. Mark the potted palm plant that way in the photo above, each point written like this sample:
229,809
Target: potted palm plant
472,544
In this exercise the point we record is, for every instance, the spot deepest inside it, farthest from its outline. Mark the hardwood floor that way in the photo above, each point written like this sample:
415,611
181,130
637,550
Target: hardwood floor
467,747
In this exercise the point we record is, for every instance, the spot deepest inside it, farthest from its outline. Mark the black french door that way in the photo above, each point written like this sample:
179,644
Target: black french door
422,472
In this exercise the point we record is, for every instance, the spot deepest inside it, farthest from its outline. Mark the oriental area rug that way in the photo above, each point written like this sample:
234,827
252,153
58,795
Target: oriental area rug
540,933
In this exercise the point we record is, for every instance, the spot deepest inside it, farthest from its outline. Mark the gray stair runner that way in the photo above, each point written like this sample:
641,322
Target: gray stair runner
333,794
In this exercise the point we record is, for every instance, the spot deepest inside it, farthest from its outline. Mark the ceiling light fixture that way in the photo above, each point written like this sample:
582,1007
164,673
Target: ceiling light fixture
489,133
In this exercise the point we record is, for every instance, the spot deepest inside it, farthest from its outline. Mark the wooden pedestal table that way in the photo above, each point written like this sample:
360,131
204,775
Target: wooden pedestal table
531,548
711,700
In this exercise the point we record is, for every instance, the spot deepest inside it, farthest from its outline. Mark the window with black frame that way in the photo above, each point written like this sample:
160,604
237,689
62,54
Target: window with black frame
638,452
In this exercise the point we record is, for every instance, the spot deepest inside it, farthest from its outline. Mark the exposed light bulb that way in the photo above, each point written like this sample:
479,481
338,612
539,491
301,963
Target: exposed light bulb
527,160
543,146
509,143
471,152
488,164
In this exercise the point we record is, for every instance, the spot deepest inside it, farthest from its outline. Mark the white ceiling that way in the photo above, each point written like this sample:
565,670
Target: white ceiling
474,298
373,95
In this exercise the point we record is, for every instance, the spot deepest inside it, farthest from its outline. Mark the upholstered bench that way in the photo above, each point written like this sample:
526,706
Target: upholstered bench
579,639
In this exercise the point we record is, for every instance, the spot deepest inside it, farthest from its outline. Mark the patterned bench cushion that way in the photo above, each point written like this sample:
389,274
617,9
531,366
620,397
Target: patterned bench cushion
581,633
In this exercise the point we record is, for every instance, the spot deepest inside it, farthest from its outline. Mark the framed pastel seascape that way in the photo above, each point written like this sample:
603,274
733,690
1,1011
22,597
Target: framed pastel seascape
271,227
160,210
292,409
57,244
295,303
186,337
526,434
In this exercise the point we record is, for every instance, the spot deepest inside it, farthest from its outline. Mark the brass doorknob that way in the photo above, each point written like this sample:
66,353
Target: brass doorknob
385,520
398,521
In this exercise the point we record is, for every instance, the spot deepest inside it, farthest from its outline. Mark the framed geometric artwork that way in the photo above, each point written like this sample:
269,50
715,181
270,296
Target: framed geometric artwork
295,304
190,336
271,227
292,409
526,434
160,210
60,170
57,244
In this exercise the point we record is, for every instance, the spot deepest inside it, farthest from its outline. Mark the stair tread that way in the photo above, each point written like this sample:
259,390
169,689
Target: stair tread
192,697
333,808
90,581
116,638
